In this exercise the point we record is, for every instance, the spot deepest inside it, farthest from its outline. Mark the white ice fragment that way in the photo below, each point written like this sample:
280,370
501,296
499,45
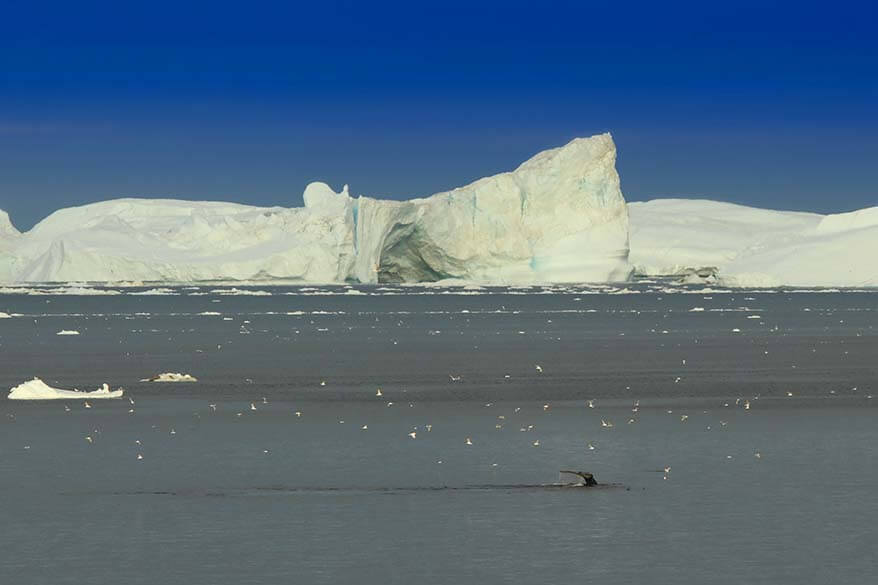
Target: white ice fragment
36,389
171,377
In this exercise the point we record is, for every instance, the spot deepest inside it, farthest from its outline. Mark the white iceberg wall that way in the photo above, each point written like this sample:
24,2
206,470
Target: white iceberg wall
559,217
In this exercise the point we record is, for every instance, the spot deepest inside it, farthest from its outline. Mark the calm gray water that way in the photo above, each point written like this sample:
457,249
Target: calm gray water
780,492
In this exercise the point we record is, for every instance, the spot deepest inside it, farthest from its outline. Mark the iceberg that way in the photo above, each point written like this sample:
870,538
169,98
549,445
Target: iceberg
750,247
171,377
36,389
558,217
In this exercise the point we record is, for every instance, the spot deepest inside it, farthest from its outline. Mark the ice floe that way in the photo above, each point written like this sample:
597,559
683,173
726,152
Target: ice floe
36,389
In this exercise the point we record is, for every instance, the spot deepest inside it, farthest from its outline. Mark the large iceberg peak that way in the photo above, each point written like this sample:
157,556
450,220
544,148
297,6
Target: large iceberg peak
7,230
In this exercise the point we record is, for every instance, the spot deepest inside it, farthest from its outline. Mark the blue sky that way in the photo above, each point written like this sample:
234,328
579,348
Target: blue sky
763,103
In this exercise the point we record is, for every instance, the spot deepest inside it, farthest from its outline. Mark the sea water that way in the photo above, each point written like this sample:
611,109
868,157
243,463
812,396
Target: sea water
283,464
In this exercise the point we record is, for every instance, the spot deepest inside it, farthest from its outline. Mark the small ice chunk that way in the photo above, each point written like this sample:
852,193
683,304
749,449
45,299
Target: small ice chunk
171,377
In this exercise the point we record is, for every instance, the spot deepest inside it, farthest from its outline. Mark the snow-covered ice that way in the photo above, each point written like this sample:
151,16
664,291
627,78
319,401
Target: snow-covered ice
36,389
68,332
754,247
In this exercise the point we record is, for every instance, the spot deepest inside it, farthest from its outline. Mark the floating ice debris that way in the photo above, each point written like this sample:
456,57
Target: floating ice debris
5,315
68,332
36,389
171,377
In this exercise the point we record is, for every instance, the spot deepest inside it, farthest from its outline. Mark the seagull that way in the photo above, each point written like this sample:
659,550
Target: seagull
252,406
539,368
323,382
606,424
518,408
264,400
789,393
89,439
173,432
131,400
298,413
758,455
87,405
590,403
379,393
631,421
428,427
590,446
545,407
137,441
683,417
139,456
536,443
212,406
469,441
413,435
454,378
746,405
365,427
66,408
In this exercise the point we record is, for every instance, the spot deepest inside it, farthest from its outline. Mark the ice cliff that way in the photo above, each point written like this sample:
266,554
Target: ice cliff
559,217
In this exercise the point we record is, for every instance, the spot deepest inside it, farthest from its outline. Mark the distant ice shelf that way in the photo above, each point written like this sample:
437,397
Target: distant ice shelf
748,247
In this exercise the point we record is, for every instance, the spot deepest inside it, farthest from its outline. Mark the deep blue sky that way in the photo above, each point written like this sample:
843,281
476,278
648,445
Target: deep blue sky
763,103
